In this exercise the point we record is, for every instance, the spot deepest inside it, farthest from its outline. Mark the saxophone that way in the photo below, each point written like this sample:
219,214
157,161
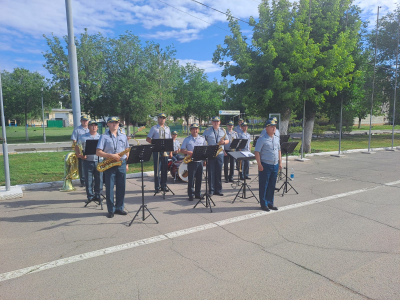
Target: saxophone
221,147
109,162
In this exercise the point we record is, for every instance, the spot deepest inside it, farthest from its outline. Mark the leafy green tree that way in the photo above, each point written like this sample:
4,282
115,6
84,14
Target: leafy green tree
22,95
163,71
289,62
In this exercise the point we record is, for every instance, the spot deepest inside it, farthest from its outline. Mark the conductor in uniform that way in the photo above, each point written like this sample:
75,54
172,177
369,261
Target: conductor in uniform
269,161
109,146
216,136
277,133
76,134
195,168
160,131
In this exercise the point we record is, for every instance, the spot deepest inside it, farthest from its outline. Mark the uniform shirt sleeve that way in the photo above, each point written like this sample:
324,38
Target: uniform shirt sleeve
73,135
100,143
151,132
259,144
184,144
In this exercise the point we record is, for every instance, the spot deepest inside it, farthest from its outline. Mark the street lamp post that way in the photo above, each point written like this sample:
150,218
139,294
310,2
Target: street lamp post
44,131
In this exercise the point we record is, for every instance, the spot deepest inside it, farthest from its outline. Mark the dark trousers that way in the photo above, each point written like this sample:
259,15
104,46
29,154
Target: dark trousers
229,166
115,175
81,171
162,164
267,182
245,169
215,173
94,180
195,171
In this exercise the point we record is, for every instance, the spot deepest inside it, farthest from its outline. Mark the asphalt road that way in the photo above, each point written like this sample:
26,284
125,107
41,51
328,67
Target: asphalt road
339,238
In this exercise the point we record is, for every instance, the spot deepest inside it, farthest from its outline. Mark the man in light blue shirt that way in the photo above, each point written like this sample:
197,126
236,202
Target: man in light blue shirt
76,133
109,147
160,162
238,128
269,161
215,136
277,133
92,176
177,146
195,168
244,173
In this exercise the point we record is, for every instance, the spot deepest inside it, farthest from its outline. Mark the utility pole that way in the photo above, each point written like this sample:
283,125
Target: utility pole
73,67
5,148
373,82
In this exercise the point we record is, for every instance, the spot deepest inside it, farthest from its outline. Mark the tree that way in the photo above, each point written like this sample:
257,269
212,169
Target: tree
163,71
289,62
22,95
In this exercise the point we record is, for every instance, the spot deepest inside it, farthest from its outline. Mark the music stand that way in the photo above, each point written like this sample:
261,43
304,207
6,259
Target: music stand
205,153
287,148
255,140
282,139
141,154
90,149
238,156
160,146
238,144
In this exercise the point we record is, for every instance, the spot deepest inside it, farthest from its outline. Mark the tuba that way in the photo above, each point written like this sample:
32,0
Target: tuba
109,163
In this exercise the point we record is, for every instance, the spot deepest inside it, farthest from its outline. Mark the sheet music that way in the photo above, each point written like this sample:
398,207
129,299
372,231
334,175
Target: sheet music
247,153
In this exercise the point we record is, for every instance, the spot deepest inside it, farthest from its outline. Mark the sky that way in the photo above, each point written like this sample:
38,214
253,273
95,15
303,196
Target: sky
193,29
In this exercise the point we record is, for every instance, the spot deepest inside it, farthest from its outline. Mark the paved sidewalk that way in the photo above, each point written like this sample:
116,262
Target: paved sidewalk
337,239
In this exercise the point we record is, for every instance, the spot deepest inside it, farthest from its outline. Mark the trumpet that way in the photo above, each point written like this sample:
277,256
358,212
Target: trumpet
221,147
133,134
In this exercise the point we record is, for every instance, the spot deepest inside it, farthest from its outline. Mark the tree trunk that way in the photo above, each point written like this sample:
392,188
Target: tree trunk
308,131
26,125
359,123
128,129
284,125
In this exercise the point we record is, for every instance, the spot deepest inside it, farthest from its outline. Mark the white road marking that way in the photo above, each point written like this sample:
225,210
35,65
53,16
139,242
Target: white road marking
171,235
328,179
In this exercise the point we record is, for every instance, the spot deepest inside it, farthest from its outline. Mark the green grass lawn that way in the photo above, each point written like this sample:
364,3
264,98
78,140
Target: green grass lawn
44,167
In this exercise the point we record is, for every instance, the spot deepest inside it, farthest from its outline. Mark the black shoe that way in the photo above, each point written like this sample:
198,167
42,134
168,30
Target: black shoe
88,201
247,177
226,180
120,212
272,207
166,190
219,194
197,196
231,180
156,191
190,198
110,215
264,208
276,189
241,178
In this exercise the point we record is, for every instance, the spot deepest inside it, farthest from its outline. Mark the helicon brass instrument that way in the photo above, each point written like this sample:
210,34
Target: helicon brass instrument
109,162
71,170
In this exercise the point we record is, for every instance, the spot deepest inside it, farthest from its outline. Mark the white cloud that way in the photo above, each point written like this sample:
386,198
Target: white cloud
206,65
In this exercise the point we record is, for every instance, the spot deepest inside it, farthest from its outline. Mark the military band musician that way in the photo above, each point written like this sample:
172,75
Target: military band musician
195,168
215,136
109,146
